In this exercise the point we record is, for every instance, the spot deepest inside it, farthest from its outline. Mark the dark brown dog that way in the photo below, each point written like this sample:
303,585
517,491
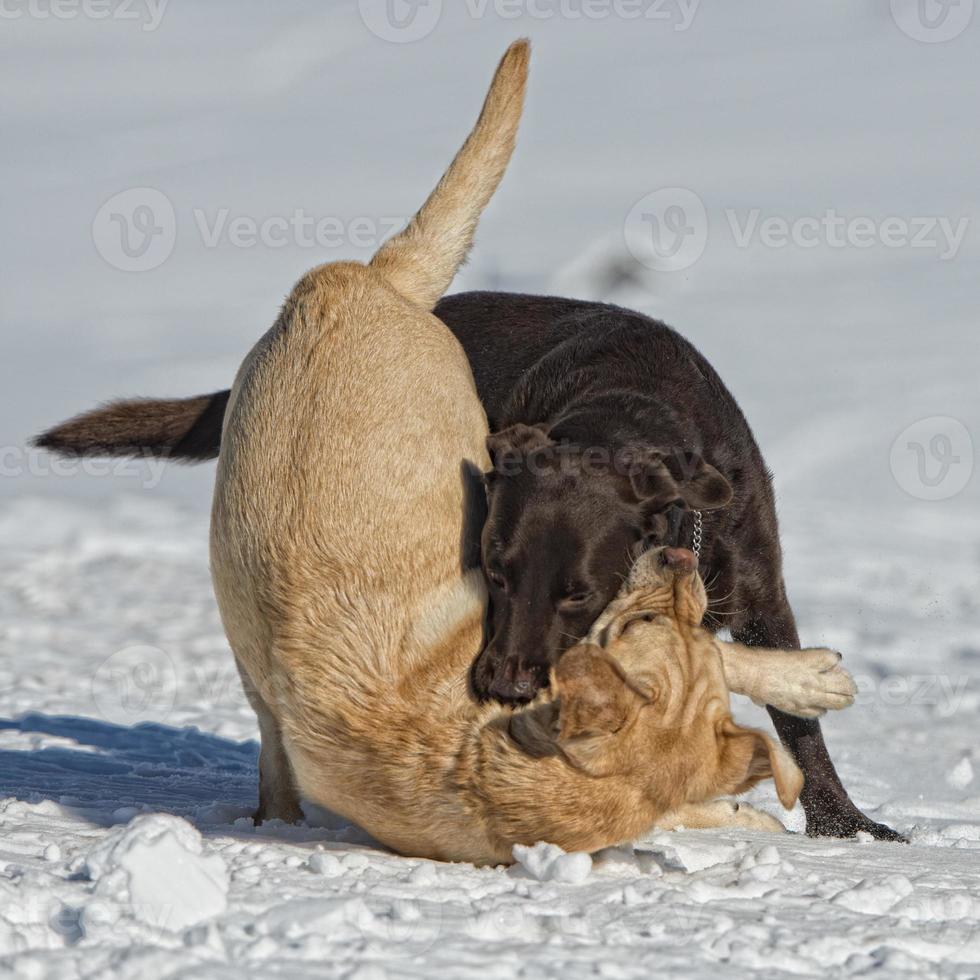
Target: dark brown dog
611,431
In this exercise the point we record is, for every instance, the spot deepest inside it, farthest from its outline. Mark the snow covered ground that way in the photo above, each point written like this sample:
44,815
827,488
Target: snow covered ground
127,752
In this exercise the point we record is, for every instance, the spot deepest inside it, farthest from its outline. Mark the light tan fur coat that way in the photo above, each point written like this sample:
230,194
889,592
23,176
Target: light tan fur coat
345,521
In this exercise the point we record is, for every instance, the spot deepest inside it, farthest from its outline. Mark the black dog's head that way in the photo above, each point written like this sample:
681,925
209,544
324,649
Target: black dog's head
565,525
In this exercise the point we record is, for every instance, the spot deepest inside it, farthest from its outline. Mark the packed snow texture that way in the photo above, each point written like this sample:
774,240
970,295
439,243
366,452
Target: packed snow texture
127,751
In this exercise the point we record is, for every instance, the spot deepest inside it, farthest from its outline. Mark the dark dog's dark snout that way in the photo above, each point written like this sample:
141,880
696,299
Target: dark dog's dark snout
680,560
501,679
518,685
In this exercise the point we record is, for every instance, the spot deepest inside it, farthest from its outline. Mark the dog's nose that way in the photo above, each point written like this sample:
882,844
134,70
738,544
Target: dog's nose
680,560
515,684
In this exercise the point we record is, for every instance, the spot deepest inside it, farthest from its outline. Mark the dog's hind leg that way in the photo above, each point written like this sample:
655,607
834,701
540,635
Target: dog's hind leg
769,622
278,796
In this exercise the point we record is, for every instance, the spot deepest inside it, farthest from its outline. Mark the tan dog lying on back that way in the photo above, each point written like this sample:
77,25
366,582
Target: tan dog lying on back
344,535
636,730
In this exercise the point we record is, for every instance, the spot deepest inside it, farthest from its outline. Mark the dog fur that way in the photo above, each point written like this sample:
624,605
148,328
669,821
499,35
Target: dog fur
538,363
506,338
347,485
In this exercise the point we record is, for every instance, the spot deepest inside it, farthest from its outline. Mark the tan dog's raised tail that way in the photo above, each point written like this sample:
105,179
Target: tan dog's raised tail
344,536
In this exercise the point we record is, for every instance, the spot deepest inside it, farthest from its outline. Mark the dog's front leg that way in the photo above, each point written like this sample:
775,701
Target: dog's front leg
804,683
829,810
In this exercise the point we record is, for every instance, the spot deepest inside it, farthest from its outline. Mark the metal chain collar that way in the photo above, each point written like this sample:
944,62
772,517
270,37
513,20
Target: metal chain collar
698,533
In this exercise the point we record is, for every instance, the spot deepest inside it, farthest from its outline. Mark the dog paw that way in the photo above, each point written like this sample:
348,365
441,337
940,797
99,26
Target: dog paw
719,814
813,682
830,817
752,819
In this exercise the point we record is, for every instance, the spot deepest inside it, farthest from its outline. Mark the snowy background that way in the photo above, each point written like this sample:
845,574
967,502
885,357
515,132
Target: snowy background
854,352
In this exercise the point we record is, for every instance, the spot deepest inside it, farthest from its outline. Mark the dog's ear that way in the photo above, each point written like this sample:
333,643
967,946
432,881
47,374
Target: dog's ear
516,442
649,479
660,479
535,729
749,756
597,701
702,487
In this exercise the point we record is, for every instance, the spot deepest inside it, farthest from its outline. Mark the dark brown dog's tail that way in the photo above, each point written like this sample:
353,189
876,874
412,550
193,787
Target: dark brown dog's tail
182,429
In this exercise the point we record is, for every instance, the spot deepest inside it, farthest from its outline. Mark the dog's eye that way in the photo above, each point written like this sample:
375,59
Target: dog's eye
574,600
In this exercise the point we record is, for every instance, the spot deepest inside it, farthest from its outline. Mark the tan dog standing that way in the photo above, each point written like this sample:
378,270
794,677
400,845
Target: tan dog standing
345,521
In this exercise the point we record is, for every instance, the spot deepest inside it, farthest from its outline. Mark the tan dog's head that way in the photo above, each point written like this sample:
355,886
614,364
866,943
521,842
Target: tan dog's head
645,697
662,582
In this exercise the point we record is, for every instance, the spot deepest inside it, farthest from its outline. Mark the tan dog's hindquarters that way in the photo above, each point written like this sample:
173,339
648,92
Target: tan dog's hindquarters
342,502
